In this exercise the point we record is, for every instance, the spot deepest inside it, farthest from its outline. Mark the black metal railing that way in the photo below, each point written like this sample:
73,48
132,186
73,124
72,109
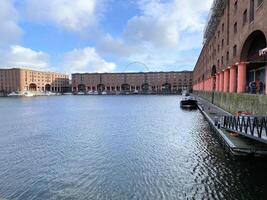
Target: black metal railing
249,126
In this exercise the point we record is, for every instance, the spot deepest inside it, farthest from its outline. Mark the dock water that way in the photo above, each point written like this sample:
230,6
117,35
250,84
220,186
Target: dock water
238,145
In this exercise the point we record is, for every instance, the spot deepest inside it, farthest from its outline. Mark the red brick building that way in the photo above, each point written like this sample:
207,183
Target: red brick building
142,82
233,55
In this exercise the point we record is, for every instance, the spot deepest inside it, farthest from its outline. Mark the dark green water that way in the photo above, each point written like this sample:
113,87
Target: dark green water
117,147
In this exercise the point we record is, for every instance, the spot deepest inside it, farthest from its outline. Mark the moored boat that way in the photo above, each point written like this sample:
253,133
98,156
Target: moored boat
188,102
28,94
81,93
15,94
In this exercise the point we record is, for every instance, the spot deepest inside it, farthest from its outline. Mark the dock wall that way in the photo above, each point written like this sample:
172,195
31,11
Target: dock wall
233,102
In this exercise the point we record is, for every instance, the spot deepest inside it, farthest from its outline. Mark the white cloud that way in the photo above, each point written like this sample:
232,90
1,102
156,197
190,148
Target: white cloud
18,56
74,15
9,30
86,60
161,24
108,44
163,34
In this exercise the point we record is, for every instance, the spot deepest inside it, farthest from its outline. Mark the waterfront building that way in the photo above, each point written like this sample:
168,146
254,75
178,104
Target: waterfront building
155,82
17,80
233,57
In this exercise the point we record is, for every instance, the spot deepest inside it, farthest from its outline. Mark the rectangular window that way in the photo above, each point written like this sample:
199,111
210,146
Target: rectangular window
235,28
260,2
234,51
251,14
222,27
227,56
235,5
245,16
222,43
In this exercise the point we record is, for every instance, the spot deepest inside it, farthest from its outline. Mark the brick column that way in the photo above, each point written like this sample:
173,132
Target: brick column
265,80
232,87
221,81
212,83
242,77
226,81
217,82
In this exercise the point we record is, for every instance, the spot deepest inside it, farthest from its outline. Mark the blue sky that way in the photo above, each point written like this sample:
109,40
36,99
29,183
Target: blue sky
101,35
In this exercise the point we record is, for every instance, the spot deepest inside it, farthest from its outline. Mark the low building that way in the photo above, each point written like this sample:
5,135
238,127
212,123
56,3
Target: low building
156,82
233,58
16,80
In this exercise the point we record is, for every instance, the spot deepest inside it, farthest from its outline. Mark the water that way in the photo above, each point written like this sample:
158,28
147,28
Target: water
117,147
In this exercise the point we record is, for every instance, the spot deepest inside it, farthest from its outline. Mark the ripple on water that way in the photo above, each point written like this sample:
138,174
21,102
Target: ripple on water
138,147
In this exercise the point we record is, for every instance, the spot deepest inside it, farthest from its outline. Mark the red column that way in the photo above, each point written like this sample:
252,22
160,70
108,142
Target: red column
232,87
221,81
241,79
265,80
209,84
212,83
217,82
226,81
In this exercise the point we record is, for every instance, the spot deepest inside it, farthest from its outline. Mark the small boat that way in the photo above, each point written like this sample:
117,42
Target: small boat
80,93
135,92
50,94
67,93
185,93
104,93
14,94
28,94
188,102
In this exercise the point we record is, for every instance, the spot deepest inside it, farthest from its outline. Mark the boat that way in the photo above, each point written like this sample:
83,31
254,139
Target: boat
14,94
188,102
135,92
80,93
185,93
67,93
104,93
50,94
28,94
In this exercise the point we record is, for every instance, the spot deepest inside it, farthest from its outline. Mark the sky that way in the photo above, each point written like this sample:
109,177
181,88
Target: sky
102,35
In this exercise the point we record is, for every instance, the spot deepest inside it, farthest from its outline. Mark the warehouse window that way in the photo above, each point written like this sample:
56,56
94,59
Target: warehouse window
235,5
235,28
251,15
245,16
260,2
234,51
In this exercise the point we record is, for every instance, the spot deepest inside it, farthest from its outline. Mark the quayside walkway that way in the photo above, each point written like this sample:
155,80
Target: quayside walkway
237,143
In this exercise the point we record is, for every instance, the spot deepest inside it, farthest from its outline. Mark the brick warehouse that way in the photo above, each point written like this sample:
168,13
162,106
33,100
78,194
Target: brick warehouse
156,82
233,56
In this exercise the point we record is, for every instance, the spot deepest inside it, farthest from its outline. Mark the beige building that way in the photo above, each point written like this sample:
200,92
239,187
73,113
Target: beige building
151,81
17,79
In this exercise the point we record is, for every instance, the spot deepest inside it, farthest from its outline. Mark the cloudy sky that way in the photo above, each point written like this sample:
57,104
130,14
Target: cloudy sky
101,35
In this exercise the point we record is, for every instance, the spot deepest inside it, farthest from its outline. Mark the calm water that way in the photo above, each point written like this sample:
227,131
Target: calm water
117,147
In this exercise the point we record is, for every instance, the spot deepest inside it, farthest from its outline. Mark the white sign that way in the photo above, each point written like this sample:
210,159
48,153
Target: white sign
263,51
